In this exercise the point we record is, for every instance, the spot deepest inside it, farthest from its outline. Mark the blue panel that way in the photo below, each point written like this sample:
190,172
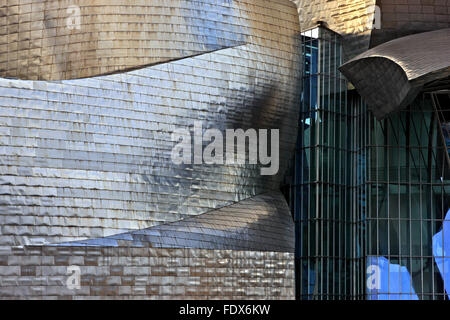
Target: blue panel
387,281
441,251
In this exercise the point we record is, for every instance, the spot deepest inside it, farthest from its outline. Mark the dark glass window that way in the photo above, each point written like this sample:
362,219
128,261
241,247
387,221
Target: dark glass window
370,198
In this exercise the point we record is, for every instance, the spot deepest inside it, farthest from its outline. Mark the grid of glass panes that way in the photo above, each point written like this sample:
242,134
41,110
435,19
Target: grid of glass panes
329,262
409,192
370,198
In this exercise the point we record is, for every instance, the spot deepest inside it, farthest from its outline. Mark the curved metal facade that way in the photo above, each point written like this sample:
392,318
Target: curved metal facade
91,157
85,160
353,19
391,75
261,223
365,24
82,38
399,19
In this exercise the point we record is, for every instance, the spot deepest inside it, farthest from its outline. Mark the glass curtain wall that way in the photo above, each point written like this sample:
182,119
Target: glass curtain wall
408,191
329,261
370,198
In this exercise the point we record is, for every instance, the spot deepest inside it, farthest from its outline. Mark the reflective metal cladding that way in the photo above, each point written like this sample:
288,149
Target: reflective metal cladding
261,223
90,96
90,158
391,75
365,24
353,19
56,40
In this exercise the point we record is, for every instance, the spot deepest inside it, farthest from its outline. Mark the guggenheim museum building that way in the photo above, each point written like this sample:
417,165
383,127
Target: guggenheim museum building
353,98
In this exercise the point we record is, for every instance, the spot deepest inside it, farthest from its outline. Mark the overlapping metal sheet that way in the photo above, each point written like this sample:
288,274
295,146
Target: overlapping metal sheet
390,75
70,39
261,223
90,158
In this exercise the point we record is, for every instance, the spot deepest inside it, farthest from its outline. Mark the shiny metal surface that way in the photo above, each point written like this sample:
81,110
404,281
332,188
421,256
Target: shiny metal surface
402,18
390,76
261,223
353,19
41,40
49,40
40,272
90,158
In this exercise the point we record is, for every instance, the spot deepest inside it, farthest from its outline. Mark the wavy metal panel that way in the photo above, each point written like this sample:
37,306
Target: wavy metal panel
391,75
70,39
261,223
90,158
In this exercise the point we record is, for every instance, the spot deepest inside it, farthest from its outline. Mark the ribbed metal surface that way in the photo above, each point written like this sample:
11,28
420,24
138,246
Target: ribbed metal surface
390,75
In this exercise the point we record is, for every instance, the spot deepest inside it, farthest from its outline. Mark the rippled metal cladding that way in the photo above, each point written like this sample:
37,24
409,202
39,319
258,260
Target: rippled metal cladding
90,94
90,158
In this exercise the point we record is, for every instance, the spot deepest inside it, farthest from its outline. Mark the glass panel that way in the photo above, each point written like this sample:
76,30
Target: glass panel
369,195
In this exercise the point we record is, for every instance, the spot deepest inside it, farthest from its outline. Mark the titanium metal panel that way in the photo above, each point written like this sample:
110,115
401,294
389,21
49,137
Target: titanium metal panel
70,39
261,223
365,24
390,76
90,158
353,19
402,18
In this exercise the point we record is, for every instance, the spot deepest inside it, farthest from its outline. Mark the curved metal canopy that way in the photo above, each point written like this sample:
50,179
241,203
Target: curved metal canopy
391,75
